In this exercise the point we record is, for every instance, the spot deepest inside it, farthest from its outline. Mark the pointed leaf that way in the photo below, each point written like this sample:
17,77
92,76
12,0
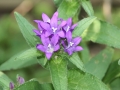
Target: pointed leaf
4,82
98,65
68,8
103,33
26,29
75,59
87,6
83,81
83,25
58,70
112,72
26,58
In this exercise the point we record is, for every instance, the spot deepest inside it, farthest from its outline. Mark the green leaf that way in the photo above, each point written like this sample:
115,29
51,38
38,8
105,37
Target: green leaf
57,2
99,64
115,85
75,59
43,62
26,29
82,25
87,6
119,62
103,33
112,72
68,8
23,59
34,85
84,81
58,70
4,82
85,54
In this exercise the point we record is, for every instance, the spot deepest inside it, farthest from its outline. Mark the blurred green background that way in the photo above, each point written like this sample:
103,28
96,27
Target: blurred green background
12,41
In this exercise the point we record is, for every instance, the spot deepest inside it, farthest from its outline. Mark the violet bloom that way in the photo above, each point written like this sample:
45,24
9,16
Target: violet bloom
72,44
11,85
69,26
20,80
49,45
53,28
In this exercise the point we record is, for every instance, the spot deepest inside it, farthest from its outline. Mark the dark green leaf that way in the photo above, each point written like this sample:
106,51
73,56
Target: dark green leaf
26,29
4,82
103,33
84,81
58,70
75,59
115,85
98,65
26,58
82,25
113,71
86,4
68,8
34,85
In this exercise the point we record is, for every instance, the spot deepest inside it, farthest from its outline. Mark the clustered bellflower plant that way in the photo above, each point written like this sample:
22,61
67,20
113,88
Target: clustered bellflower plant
56,32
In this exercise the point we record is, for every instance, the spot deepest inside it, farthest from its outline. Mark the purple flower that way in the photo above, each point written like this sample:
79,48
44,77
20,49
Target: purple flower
20,80
69,26
11,85
53,27
49,45
71,44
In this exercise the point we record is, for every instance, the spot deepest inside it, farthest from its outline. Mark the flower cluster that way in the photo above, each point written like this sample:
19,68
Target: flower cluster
20,80
55,32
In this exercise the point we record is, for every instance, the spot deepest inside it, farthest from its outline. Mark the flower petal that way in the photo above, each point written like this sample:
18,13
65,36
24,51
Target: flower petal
69,21
77,40
69,36
40,47
37,32
74,25
37,21
45,18
11,85
61,34
54,20
54,39
78,48
57,47
48,55
45,40
69,52
63,23
45,26
47,34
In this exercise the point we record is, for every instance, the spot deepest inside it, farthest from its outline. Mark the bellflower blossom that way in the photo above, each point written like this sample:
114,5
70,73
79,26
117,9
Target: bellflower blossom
49,45
53,32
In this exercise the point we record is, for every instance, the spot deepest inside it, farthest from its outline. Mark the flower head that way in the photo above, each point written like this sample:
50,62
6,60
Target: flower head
20,80
52,31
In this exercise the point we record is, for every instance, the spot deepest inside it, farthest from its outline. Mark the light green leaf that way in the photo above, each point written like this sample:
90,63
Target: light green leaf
75,59
87,6
115,85
103,33
83,25
4,82
58,70
119,62
68,8
34,85
57,2
23,59
112,72
26,29
99,64
83,81
85,54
